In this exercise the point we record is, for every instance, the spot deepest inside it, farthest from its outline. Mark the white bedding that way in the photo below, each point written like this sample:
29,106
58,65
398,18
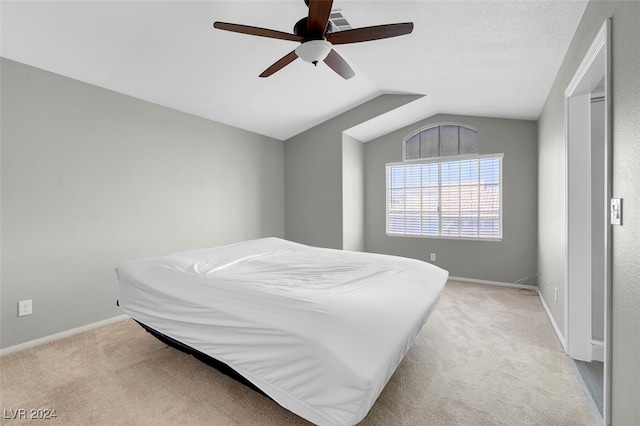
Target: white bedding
320,331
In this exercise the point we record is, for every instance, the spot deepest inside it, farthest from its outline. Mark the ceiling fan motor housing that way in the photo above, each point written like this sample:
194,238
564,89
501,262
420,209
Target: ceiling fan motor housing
300,28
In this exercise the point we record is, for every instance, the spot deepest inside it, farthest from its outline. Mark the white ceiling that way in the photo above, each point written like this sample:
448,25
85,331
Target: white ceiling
486,58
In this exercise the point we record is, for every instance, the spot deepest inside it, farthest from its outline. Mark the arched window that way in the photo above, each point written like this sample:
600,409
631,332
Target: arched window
440,140
444,188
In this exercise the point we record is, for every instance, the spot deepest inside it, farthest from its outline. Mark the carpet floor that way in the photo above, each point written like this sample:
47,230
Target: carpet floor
487,356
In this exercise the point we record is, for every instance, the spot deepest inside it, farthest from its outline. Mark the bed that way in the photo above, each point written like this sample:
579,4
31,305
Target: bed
320,331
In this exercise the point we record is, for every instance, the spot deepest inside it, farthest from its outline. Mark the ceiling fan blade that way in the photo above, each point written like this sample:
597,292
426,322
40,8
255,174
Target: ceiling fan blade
280,63
256,31
339,65
375,32
319,11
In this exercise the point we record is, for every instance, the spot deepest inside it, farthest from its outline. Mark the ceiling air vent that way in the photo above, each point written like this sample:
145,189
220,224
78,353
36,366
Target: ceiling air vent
338,22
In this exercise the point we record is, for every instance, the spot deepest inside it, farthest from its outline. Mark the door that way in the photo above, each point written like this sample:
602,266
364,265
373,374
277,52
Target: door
588,189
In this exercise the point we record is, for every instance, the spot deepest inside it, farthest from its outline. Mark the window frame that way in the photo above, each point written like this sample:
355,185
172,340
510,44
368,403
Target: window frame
445,160
439,125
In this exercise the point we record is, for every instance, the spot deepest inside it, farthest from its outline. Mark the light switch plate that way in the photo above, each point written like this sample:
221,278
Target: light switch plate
616,211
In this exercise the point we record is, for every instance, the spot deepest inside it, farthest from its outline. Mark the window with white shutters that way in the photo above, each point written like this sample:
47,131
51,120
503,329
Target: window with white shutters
446,197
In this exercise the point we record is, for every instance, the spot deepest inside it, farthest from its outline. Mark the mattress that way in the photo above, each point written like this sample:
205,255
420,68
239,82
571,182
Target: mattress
320,331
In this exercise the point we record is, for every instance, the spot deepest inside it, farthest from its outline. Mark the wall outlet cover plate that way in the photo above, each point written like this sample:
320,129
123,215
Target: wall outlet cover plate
25,307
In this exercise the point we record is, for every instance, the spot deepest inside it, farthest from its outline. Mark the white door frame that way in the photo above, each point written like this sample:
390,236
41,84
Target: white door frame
579,200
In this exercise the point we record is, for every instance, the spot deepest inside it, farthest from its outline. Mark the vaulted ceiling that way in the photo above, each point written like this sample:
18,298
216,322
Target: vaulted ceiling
485,58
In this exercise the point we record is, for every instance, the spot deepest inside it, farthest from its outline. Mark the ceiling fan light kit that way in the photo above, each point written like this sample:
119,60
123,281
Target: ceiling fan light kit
317,37
314,51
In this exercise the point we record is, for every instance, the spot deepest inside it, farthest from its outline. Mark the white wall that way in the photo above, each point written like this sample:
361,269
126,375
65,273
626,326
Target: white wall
598,279
352,193
625,99
91,178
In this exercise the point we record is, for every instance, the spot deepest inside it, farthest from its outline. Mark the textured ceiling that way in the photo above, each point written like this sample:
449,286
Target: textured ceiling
486,58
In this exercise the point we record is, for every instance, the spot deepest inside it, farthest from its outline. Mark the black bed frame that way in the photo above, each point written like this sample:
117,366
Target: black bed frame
218,365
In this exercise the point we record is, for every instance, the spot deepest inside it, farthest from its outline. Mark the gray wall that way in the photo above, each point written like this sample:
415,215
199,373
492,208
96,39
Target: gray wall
313,174
506,261
625,99
91,178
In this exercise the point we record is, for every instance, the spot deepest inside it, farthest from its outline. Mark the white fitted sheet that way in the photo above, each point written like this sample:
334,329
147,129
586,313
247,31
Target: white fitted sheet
320,331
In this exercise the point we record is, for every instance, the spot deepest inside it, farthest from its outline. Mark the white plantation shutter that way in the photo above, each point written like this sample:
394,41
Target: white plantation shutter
445,197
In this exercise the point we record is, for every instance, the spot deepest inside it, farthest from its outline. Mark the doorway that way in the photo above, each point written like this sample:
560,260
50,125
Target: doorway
588,189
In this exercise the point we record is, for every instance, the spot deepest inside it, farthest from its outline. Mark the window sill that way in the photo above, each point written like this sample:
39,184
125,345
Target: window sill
434,237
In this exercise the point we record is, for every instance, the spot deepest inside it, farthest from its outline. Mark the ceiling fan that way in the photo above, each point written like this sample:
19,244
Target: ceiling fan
316,38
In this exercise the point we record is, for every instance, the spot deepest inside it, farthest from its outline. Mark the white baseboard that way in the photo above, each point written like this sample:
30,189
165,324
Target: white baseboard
553,323
61,335
500,283
597,350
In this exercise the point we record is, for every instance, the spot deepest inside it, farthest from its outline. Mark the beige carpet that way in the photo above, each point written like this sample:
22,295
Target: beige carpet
487,356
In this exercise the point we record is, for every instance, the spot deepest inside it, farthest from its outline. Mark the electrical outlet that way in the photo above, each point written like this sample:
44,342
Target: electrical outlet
25,307
556,293
433,257
549,285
